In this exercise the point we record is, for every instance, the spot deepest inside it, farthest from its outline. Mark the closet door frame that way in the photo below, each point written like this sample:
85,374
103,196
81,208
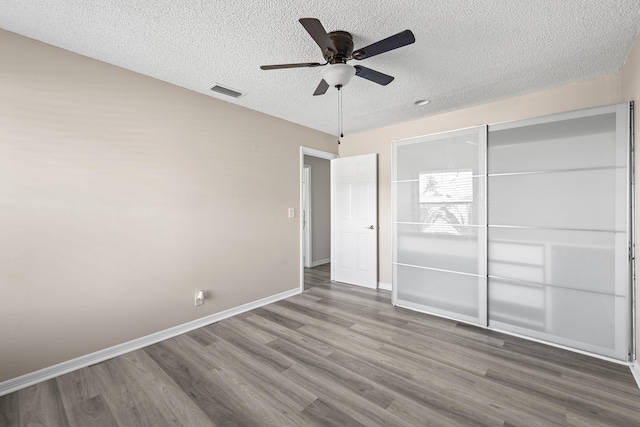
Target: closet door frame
624,130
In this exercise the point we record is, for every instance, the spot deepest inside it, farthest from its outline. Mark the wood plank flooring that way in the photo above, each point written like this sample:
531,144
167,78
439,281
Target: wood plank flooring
335,355
315,276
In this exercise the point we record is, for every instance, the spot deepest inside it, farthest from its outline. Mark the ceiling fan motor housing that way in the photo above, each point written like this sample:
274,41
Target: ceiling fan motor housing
343,42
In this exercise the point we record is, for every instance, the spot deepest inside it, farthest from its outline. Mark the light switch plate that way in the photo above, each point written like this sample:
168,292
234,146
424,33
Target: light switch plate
199,300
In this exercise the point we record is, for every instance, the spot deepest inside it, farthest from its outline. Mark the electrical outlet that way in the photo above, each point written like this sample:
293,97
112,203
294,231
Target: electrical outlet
199,300
292,213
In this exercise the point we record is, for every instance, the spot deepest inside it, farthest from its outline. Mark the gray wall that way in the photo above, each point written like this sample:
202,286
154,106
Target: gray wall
320,208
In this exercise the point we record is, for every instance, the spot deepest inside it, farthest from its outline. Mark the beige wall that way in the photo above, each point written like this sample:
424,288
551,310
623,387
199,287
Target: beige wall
601,91
630,84
624,86
121,195
320,208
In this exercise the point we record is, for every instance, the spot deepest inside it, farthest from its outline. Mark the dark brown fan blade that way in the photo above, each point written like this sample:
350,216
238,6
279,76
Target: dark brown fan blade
322,88
319,34
373,75
401,39
300,65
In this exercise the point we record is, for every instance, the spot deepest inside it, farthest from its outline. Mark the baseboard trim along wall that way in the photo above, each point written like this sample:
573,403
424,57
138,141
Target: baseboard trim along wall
320,262
45,374
384,286
635,370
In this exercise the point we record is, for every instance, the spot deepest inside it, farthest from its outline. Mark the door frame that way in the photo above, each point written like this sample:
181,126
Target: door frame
307,151
306,216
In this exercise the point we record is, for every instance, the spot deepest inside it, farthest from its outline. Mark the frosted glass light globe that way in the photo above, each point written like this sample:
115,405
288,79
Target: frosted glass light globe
338,74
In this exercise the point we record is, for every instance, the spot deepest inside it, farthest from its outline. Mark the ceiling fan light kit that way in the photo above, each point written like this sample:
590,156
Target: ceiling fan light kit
338,75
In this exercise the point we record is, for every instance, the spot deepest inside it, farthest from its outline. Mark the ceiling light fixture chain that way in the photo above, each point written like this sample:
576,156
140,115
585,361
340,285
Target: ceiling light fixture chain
340,111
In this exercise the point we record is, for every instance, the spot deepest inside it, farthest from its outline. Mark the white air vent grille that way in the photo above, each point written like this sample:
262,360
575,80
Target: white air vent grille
226,91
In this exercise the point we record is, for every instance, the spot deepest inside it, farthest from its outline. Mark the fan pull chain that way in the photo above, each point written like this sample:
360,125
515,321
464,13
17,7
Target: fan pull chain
340,111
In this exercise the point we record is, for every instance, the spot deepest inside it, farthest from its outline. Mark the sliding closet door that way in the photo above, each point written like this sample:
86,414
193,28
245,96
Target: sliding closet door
439,221
558,221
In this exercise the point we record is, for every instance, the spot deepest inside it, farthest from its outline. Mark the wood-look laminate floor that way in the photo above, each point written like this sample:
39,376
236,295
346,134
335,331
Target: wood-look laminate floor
314,276
335,355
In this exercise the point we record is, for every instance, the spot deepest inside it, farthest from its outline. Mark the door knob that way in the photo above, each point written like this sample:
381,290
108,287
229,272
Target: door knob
371,227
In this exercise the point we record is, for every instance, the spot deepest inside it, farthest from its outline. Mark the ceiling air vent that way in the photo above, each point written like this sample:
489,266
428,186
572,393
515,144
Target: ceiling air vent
226,91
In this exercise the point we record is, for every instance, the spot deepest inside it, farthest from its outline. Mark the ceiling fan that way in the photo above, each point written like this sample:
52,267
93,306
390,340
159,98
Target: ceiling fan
337,49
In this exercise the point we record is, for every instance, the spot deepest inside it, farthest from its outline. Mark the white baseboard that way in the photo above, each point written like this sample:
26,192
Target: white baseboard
50,372
635,370
320,262
385,286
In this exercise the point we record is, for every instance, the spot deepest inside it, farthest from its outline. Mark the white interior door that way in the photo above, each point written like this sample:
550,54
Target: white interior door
354,224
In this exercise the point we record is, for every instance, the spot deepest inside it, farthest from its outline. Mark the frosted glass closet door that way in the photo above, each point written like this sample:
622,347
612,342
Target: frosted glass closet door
558,239
439,221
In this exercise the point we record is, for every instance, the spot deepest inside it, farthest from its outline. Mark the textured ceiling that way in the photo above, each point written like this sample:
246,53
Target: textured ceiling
466,52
